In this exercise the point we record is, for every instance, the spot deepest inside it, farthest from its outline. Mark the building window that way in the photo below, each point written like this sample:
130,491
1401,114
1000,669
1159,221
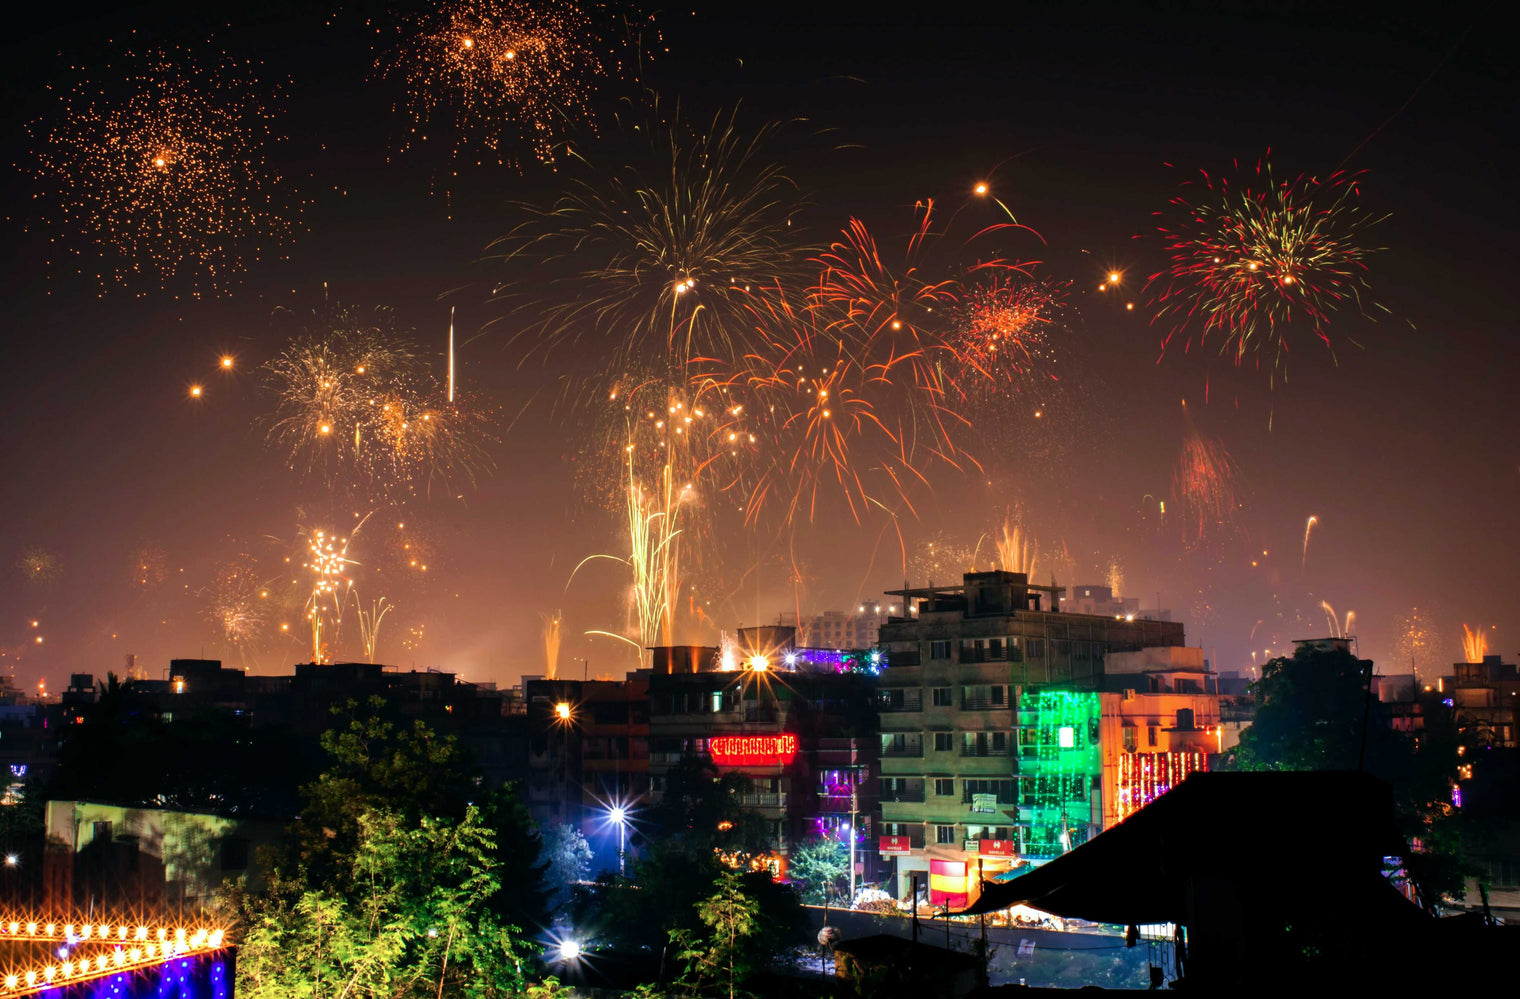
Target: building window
944,786
944,834
939,650
944,742
1129,738
942,697
1150,735
1034,648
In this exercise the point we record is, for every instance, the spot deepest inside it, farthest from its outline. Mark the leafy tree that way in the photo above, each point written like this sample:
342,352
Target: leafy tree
416,920
819,864
567,855
1314,712
718,958
527,884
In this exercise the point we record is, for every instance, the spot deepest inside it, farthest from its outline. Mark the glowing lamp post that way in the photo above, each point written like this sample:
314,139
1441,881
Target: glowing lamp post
619,817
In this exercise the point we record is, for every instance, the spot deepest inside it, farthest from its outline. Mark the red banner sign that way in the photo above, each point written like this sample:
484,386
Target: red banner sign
896,846
995,847
753,750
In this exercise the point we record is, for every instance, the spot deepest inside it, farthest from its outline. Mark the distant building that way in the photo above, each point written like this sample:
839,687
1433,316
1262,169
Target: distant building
838,629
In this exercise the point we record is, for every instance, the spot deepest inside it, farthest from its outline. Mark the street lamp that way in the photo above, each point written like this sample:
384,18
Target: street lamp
562,711
618,814
569,950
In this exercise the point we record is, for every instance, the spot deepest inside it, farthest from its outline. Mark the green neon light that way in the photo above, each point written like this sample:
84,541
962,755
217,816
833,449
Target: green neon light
1059,759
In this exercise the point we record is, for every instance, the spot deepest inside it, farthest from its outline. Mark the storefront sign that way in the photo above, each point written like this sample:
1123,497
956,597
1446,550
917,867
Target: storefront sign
995,848
896,846
753,750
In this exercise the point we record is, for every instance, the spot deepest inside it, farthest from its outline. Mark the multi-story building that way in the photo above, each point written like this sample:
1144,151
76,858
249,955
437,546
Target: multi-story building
838,629
588,750
1005,723
1487,694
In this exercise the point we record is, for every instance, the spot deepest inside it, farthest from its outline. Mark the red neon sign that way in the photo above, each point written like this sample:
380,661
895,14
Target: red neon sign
753,750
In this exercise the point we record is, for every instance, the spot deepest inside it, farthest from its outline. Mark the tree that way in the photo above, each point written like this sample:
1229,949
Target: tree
730,917
413,918
818,865
568,856
1314,711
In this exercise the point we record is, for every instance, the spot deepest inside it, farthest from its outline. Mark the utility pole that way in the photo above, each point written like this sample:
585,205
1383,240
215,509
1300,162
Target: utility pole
914,903
854,817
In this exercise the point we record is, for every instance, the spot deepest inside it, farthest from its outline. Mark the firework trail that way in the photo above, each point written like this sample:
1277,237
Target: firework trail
1204,487
550,633
1474,644
355,405
158,169
1253,260
369,624
494,75
1308,526
39,566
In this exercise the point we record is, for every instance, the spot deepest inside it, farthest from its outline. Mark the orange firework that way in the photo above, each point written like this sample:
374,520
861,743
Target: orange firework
1474,644
498,73
159,168
1204,486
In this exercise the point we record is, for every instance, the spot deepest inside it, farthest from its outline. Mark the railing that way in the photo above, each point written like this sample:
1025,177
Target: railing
985,703
1005,796
983,750
911,749
913,700
763,799
905,795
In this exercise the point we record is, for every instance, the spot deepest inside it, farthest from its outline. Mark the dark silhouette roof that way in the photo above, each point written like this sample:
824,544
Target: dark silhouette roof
1265,834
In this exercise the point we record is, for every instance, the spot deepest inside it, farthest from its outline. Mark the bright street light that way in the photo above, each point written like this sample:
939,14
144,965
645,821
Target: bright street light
569,950
618,815
562,711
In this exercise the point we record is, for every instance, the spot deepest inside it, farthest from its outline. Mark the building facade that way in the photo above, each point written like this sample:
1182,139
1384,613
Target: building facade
1005,722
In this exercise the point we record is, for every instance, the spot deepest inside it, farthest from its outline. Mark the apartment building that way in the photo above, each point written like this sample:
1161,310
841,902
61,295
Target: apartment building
1003,725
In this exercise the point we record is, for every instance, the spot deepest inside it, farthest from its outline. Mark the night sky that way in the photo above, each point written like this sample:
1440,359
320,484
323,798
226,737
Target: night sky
1084,119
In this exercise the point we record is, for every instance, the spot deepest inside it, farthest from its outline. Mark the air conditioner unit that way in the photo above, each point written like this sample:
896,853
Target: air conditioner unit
1129,693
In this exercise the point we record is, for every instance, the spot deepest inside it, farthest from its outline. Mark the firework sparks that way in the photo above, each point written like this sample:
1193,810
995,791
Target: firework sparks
237,605
148,567
369,624
550,632
161,170
1254,259
1308,526
38,565
1416,644
328,562
670,254
941,557
1474,644
354,403
499,74
1204,487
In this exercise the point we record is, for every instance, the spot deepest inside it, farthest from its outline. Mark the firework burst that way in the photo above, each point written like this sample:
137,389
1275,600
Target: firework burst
1252,261
159,170
327,560
149,566
39,566
236,605
667,254
496,75
1416,645
1474,644
354,404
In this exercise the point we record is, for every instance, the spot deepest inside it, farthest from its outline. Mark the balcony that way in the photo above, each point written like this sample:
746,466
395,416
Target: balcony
903,795
905,658
900,699
985,703
763,799
906,750
982,749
